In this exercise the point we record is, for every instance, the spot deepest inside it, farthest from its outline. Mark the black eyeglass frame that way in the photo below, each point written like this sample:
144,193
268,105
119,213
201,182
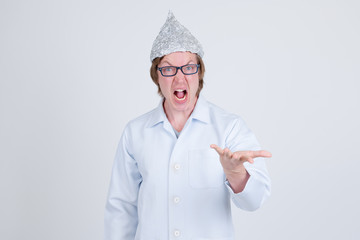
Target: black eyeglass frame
181,68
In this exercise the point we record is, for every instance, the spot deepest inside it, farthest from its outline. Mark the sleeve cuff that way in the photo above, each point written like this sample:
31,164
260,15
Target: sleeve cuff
253,195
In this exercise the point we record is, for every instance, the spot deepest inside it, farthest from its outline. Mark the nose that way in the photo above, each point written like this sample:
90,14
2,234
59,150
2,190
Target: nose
179,75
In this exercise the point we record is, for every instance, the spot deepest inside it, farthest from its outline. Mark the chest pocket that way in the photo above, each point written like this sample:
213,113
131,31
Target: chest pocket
205,170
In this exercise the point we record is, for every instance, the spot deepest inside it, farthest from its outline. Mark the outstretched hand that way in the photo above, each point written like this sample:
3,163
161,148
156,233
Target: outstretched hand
233,165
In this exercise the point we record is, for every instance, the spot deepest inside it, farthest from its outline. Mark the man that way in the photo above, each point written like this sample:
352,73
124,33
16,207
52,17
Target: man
178,166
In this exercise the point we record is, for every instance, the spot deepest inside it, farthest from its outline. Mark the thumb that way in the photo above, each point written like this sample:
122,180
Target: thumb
218,149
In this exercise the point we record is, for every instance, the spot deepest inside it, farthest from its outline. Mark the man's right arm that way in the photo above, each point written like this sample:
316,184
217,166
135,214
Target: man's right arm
121,207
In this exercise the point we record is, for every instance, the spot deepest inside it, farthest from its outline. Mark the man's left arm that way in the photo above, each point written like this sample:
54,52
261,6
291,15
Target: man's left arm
244,166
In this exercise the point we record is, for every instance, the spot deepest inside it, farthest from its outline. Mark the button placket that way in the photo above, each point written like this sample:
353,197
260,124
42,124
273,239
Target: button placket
176,181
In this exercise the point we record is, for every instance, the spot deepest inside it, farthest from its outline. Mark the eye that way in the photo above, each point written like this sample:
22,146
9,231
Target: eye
167,69
188,68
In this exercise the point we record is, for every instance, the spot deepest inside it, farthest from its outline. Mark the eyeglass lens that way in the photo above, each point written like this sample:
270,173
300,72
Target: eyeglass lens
186,69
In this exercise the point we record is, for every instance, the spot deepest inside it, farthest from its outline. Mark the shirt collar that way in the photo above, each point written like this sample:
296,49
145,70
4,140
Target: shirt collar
158,115
200,113
201,110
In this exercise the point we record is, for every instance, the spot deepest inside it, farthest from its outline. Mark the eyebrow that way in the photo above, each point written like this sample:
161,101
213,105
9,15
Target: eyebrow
173,65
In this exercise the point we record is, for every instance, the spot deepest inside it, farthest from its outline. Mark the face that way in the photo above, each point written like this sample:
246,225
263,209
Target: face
179,90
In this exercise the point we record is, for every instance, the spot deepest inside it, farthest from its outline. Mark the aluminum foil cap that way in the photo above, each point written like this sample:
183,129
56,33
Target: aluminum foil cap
174,37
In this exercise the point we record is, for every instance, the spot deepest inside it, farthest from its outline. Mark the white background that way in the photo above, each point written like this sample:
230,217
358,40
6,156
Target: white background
73,73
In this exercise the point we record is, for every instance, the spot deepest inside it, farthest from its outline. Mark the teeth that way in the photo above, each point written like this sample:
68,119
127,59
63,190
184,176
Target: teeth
180,90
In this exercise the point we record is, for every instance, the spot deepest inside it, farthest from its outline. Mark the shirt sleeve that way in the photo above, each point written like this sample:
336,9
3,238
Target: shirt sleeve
121,207
258,187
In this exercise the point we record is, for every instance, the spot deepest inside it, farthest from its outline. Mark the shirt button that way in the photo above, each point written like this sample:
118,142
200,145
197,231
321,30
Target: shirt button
176,199
177,233
177,166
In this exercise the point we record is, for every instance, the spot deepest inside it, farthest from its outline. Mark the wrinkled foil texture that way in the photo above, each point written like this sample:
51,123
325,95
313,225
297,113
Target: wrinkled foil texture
174,37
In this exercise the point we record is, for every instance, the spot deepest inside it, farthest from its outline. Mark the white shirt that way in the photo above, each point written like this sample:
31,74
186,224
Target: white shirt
164,187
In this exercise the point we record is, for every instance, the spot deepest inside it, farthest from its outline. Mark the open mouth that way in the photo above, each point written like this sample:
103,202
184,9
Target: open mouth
180,94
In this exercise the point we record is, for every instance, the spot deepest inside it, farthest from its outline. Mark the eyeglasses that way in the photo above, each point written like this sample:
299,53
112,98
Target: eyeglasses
188,69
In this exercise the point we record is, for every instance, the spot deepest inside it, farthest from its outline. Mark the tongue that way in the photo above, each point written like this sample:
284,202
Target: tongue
180,94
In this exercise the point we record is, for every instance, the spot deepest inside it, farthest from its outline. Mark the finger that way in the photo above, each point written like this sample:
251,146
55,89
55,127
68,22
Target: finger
236,155
228,153
242,158
260,153
218,149
250,160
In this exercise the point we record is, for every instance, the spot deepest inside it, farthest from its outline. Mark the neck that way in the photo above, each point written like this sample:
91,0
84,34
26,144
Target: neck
176,118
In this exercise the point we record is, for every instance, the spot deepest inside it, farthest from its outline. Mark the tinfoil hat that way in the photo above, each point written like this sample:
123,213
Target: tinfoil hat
174,37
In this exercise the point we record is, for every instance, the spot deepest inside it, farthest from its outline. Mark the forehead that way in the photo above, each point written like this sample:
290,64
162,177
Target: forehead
180,58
